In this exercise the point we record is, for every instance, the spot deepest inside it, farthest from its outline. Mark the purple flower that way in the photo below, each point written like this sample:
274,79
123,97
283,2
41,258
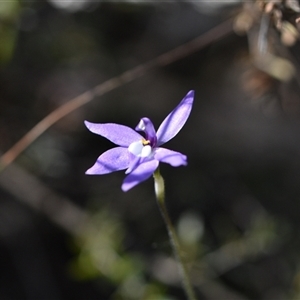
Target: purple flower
141,155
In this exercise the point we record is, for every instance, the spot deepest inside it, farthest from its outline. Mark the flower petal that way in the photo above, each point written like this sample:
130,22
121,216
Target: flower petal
133,164
173,158
147,126
139,174
118,134
175,120
112,160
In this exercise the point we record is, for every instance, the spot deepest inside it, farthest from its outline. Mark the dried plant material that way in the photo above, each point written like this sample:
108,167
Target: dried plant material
260,4
277,67
256,82
284,16
289,34
269,7
246,18
277,18
297,24
243,23
293,5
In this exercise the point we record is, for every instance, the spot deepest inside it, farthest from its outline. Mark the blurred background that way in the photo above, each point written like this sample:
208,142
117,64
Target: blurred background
236,206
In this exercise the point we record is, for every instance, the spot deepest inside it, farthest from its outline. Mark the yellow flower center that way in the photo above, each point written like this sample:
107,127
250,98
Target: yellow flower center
145,142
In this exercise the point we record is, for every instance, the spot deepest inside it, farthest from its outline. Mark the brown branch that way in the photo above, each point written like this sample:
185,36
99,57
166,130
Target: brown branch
180,52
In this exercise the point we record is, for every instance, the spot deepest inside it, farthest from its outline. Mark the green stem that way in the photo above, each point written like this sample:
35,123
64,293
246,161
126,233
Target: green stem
160,197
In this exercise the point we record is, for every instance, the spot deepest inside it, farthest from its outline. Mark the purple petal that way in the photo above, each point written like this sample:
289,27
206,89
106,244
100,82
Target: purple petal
146,126
112,160
139,174
133,164
118,134
173,158
175,120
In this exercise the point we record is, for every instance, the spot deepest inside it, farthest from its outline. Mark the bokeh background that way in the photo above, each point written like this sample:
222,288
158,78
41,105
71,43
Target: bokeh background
236,206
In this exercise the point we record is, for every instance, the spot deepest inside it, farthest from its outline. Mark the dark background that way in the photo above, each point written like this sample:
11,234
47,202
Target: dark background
236,206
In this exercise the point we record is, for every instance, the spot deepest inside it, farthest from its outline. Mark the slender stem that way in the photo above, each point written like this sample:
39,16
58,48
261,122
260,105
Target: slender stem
160,197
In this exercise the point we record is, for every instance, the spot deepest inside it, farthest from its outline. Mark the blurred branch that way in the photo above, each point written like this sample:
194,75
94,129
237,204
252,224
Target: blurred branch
29,190
180,52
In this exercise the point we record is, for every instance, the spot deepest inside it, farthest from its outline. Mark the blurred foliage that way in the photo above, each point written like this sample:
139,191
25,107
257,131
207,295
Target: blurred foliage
9,16
101,253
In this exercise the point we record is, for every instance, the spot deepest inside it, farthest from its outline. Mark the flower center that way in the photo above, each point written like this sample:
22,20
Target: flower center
145,142
141,148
